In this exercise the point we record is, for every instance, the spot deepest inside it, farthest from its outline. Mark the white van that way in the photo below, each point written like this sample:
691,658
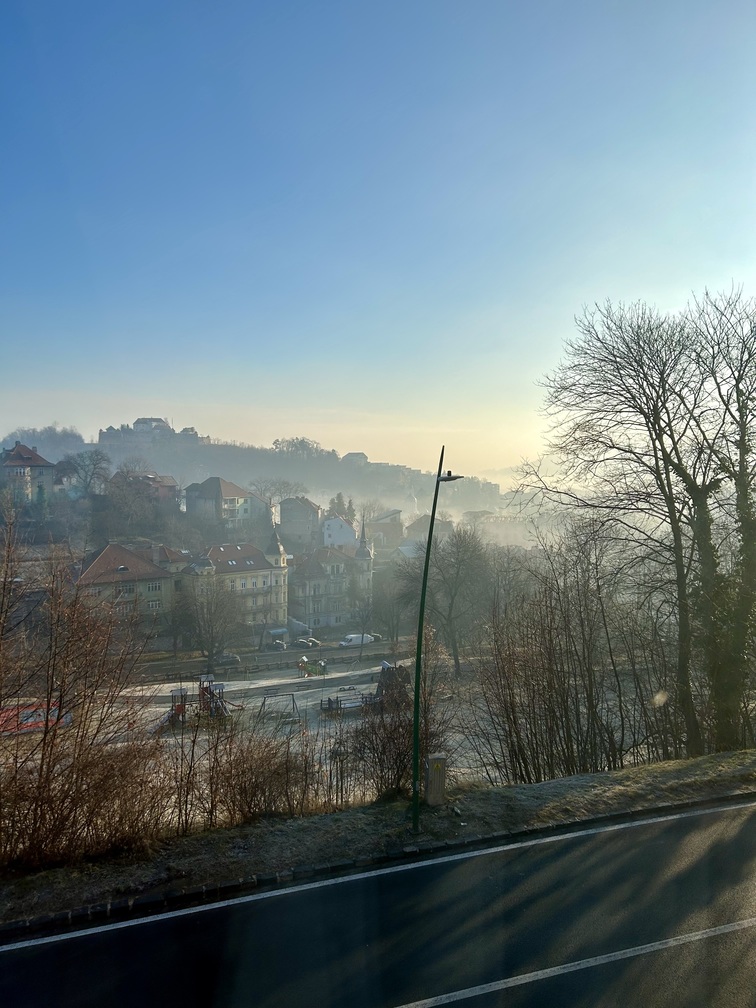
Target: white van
355,639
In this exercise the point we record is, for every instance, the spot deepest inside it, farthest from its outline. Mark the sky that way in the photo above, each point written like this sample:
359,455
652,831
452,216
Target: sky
370,224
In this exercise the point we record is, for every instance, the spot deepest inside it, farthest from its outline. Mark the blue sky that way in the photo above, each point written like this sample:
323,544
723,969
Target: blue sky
370,224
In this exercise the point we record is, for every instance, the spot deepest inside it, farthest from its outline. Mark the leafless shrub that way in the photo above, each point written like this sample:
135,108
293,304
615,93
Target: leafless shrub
380,745
578,677
77,766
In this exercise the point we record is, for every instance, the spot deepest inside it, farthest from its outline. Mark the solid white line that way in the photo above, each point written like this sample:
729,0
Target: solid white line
374,873
580,964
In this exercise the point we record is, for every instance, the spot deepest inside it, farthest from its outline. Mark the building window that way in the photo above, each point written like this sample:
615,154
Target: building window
244,585
154,586
254,601
232,584
316,622
254,584
94,591
154,605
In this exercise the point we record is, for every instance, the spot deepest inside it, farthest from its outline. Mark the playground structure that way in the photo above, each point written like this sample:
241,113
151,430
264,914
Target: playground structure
208,703
349,702
36,716
309,667
393,684
280,711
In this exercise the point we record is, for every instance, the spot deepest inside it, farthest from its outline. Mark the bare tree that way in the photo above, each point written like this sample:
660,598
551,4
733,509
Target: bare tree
134,465
91,470
459,583
273,489
370,509
576,677
388,607
213,615
652,424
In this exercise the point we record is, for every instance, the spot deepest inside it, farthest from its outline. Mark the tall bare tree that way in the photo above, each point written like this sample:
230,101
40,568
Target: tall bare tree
459,585
91,470
212,614
652,426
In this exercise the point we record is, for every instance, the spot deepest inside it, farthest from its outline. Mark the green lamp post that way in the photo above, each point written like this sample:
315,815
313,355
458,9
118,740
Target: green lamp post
441,477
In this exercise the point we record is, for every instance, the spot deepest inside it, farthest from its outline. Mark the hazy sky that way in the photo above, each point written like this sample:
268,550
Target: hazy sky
370,224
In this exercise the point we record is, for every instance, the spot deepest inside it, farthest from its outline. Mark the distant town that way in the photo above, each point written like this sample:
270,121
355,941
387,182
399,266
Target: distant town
307,541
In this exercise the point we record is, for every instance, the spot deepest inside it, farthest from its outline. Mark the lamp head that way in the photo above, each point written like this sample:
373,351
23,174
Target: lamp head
448,477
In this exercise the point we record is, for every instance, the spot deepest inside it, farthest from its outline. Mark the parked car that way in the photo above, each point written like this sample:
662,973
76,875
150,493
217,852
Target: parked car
276,645
228,658
355,639
306,642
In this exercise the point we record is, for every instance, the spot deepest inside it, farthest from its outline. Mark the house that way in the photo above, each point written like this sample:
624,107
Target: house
386,530
338,532
327,586
217,499
128,582
152,425
355,458
417,531
163,489
171,560
29,476
299,523
259,578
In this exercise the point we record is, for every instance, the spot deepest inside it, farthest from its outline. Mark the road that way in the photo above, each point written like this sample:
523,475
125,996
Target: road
654,913
259,663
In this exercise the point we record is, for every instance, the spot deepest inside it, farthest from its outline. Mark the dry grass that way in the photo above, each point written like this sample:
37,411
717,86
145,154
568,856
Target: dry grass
279,845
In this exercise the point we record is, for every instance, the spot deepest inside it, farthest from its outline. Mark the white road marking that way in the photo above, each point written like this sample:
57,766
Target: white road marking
580,964
374,873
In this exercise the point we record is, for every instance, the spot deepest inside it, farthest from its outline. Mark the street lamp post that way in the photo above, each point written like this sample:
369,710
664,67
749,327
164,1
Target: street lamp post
440,478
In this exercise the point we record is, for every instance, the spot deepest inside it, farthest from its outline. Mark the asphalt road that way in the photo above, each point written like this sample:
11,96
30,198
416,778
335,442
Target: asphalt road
259,662
661,912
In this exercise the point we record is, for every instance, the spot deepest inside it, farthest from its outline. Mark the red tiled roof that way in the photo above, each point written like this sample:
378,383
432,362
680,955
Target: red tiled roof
115,564
238,558
21,455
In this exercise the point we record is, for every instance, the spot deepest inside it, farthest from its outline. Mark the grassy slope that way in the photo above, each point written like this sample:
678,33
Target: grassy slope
280,845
